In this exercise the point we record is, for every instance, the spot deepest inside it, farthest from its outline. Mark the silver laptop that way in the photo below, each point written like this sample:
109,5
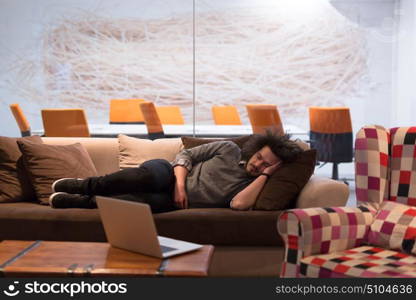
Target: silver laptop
129,225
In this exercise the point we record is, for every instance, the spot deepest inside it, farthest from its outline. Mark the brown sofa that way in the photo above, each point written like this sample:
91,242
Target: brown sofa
246,242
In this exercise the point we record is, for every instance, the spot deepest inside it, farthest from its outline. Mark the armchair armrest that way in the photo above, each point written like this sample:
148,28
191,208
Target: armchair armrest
323,192
321,230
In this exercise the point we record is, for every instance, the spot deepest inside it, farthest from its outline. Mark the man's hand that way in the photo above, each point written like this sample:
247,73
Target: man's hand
270,170
180,197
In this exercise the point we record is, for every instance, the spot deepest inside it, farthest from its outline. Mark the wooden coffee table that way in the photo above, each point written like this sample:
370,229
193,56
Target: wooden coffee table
46,258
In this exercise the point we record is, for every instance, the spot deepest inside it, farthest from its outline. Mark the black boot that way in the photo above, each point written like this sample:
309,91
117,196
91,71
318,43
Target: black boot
69,185
64,200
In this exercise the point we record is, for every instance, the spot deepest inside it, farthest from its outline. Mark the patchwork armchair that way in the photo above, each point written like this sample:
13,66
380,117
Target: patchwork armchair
375,239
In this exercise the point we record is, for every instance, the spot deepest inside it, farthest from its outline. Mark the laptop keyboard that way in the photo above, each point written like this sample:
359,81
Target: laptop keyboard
166,248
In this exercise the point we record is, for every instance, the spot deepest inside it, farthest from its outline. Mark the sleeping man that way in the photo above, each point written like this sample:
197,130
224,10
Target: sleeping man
217,174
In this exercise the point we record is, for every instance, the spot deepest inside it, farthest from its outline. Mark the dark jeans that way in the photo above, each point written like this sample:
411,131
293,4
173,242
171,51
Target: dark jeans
151,183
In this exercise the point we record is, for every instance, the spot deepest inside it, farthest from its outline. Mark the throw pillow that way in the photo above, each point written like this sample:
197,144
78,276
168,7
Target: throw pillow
135,151
47,163
282,188
15,186
394,227
191,142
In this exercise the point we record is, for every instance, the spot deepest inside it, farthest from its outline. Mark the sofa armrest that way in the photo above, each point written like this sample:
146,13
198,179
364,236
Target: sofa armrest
372,147
323,192
319,231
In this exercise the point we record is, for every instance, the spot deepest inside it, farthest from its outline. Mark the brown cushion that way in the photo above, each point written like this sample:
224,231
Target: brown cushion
14,184
191,142
47,163
281,190
220,226
216,226
32,221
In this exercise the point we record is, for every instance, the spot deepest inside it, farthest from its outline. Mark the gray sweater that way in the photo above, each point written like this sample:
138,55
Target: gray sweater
216,173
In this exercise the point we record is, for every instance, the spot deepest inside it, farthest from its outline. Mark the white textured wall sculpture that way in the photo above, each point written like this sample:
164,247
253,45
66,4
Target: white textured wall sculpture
268,55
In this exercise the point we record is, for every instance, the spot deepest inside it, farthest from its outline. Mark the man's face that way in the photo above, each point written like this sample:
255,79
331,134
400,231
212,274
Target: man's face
261,160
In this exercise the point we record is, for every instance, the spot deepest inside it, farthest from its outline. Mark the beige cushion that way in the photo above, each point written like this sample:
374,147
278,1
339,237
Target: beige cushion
135,151
191,142
14,184
103,151
47,163
323,192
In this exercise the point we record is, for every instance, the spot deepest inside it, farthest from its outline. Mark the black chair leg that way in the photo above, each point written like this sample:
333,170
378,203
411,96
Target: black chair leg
156,135
335,175
335,171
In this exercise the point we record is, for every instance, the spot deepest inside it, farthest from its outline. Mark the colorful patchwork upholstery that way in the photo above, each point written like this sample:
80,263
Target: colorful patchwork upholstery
321,230
394,227
322,242
403,168
365,261
371,165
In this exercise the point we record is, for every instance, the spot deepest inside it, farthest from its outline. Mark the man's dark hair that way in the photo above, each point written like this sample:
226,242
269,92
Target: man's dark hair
281,146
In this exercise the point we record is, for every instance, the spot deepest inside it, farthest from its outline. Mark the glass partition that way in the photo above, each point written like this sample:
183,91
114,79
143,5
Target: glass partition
196,54
293,54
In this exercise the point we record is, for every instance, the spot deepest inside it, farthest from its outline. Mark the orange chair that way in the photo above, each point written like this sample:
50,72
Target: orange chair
331,135
152,120
65,123
20,119
126,111
263,117
170,115
225,115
